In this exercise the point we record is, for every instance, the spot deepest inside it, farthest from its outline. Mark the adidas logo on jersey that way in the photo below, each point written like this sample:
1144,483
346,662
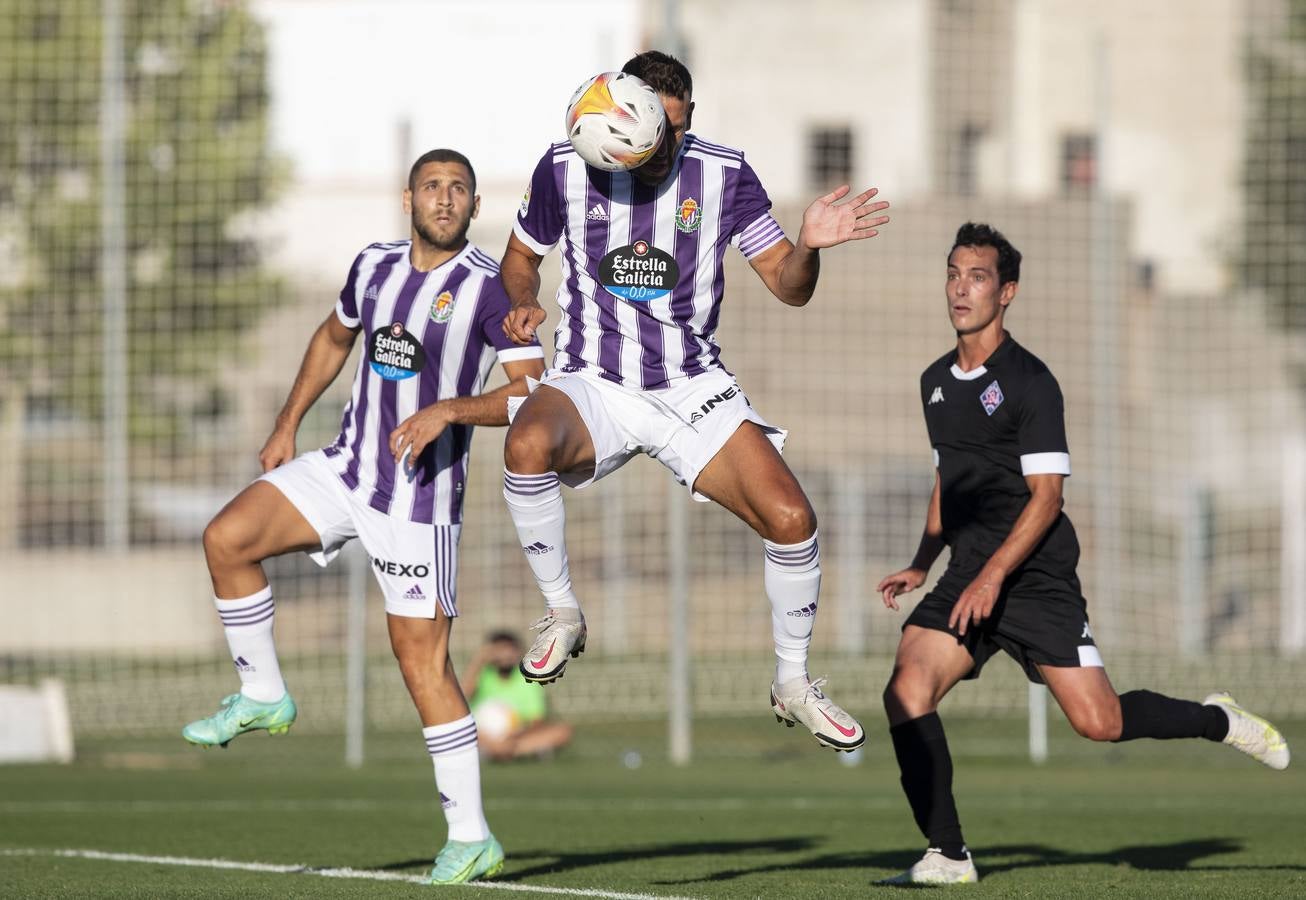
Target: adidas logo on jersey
597,214
370,293
936,397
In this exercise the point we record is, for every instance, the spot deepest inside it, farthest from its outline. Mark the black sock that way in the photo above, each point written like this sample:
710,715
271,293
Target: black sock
1144,714
926,766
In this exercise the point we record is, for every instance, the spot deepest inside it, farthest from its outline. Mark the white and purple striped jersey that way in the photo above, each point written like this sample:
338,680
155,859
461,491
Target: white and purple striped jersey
428,336
642,274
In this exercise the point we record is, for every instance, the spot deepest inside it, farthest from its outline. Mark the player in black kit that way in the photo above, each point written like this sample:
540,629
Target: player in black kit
995,418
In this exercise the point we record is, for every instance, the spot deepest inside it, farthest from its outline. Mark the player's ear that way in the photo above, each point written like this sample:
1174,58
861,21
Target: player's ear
1008,292
476,205
408,202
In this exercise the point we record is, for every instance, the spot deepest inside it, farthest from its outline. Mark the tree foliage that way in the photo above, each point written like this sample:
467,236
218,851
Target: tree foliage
198,166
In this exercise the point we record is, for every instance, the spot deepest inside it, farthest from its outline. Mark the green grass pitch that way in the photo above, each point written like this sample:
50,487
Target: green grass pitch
762,812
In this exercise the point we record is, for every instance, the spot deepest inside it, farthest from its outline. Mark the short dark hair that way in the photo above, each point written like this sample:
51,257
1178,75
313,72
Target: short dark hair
440,155
662,72
495,637
978,234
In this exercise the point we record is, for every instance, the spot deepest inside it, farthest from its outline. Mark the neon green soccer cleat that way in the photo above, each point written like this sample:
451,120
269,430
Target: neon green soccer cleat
461,861
1250,733
238,714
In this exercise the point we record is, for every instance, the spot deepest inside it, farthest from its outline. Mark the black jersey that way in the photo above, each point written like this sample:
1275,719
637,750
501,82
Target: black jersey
990,428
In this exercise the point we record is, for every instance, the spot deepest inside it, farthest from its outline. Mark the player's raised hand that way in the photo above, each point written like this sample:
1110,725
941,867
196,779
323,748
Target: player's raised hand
522,320
976,602
828,223
278,450
417,431
903,582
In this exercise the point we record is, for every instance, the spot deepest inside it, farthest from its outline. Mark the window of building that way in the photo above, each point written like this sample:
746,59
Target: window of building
1078,163
830,156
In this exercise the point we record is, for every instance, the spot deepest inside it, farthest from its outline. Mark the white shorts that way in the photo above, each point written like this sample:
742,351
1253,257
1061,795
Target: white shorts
682,426
416,564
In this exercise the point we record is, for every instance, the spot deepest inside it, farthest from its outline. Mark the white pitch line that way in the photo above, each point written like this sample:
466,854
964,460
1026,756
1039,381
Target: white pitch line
282,869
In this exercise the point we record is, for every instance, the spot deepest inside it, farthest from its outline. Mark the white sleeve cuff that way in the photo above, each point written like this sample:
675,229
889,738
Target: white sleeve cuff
512,354
347,321
763,234
1045,464
536,246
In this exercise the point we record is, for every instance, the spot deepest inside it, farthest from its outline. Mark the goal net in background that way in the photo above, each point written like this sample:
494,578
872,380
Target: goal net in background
150,327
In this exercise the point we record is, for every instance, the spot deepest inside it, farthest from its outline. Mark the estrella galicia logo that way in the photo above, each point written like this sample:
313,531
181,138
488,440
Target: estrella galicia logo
394,353
992,398
638,272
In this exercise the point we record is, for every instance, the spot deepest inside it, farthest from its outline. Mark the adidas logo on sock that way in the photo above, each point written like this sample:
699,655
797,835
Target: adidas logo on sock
414,593
445,802
537,548
597,214
242,665
806,612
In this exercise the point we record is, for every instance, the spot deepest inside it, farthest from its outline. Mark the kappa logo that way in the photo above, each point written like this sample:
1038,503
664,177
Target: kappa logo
992,398
936,397
597,213
537,548
1088,633
712,403
243,665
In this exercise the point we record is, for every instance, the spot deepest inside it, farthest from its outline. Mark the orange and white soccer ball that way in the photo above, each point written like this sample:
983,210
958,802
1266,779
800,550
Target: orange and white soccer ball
615,121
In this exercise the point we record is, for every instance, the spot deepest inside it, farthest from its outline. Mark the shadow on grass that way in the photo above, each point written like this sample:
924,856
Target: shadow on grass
547,862
1174,857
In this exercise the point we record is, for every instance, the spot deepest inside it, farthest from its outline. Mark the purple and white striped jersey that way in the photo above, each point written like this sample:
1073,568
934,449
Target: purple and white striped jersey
642,274
428,336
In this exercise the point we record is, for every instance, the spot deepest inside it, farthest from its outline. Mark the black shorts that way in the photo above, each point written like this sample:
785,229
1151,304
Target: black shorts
1040,618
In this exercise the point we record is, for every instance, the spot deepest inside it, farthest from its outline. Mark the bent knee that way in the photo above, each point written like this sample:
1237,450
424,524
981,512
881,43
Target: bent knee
790,522
227,540
909,694
528,448
1097,727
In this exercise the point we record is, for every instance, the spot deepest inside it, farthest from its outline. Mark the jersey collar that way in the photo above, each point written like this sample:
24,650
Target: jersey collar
994,358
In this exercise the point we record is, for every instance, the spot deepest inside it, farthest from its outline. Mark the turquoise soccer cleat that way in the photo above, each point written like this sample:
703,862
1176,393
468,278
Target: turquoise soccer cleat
461,861
238,714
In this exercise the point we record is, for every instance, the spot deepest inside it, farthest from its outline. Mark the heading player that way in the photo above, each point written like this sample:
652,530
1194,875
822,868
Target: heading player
995,418
431,309
637,367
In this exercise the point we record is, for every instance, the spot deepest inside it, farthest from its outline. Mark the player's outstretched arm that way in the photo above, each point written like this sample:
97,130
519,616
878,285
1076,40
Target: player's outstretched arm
326,354
520,273
790,271
931,545
491,408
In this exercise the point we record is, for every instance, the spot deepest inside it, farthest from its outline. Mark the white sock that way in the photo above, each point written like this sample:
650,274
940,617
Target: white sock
535,502
248,625
792,575
458,777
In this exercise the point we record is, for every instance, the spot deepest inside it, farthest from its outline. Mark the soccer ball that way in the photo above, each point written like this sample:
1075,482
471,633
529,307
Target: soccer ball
615,121
495,718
